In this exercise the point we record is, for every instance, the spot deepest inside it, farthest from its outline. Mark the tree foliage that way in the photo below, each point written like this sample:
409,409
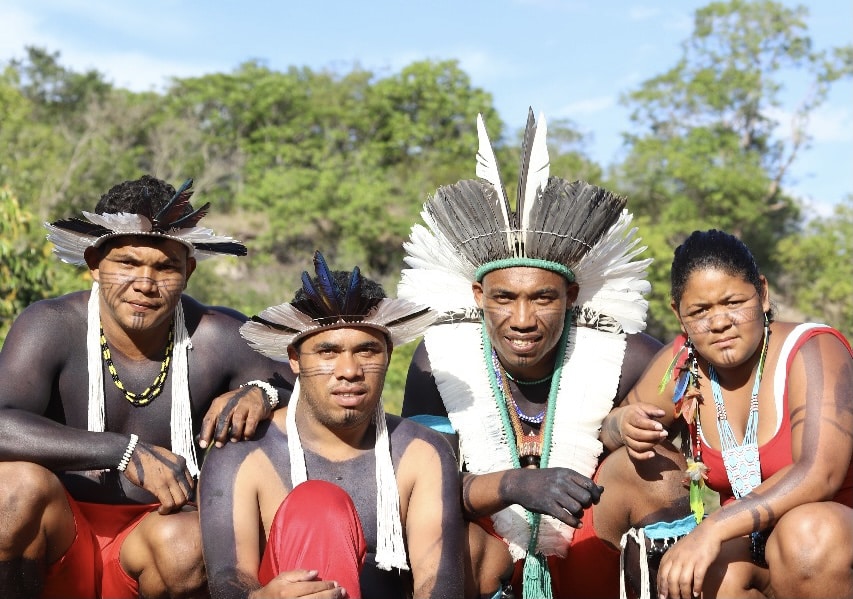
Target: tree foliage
819,266
299,159
710,148
28,271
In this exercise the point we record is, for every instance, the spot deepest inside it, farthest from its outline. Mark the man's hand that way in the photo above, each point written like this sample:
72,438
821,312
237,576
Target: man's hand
558,492
299,583
640,430
234,416
161,473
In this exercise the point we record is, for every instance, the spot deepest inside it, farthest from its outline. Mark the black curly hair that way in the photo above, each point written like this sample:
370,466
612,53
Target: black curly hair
712,249
128,195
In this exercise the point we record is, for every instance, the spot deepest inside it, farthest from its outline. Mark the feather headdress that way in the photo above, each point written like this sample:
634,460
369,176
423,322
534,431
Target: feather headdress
333,300
325,304
175,220
573,228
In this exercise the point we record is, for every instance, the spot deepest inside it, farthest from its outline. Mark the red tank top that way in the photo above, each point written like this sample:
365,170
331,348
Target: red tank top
776,453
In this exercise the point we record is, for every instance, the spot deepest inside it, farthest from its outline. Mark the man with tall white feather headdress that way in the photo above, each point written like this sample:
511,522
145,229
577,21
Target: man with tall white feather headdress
334,496
102,395
540,340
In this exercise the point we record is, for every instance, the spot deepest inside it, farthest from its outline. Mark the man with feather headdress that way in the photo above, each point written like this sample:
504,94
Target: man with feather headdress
334,496
539,342
103,393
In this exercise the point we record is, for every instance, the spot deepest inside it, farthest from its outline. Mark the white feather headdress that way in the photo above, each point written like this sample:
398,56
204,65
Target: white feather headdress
573,228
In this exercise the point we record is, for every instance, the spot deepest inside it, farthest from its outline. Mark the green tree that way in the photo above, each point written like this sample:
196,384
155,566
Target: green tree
707,151
28,271
818,279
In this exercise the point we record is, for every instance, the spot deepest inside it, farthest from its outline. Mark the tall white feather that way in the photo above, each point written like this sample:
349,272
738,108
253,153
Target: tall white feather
538,170
487,169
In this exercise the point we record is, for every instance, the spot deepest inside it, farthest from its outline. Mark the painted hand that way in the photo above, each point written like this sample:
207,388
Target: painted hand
234,416
558,492
161,473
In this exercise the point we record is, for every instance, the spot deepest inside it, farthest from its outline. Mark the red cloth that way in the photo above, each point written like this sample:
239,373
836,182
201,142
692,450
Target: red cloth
91,569
776,453
589,571
316,528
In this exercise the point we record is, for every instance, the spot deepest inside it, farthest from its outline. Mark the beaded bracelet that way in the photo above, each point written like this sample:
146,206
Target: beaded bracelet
125,459
270,392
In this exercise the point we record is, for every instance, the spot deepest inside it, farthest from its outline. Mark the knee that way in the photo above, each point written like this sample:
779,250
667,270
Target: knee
489,562
320,497
26,493
177,550
809,541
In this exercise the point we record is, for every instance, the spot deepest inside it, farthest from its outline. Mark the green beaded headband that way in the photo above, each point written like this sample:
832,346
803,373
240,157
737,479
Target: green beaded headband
556,267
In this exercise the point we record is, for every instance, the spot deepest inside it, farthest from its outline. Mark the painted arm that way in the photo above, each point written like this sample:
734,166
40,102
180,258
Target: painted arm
434,526
37,351
645,416
820,402
236,414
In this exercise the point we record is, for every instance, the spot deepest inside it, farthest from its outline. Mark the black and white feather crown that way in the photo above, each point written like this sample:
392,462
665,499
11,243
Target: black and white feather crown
577,229
175,220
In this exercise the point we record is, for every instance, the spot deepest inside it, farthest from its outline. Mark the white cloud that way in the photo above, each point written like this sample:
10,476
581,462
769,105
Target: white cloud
643,13
19,28
830,124
586,107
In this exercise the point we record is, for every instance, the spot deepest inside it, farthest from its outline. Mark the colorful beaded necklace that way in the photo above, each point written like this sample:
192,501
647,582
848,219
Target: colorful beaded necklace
536,577
152,391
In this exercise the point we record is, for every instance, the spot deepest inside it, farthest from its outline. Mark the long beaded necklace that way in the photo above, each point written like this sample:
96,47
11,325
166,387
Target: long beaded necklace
153,390
536,576
529,446
742,461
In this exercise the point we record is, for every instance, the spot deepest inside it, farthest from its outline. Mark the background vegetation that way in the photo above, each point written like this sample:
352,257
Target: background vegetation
342,161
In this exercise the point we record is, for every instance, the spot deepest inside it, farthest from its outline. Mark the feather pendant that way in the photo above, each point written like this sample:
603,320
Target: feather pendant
680,386
667,375
174,208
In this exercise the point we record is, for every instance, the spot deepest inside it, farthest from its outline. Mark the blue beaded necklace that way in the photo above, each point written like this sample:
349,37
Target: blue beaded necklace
742,462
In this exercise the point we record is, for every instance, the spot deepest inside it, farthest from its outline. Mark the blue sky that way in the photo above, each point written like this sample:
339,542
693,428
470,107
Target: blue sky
567,58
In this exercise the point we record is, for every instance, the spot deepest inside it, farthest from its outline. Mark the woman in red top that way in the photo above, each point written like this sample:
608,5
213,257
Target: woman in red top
769,408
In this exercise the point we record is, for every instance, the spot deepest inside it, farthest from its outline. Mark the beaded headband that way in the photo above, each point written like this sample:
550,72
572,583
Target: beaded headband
176,220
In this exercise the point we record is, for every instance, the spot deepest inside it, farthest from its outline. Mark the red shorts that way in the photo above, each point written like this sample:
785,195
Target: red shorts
91,568
316,527
589,571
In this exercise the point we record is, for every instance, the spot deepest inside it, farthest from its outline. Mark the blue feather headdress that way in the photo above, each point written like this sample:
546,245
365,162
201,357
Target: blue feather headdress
327,302
175,220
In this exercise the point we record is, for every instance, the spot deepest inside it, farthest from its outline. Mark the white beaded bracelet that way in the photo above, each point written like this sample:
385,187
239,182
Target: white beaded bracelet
125,459
270,392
